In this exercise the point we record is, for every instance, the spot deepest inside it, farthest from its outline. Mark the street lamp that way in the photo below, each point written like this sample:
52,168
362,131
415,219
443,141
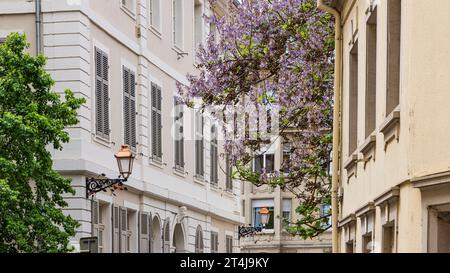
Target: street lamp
264,215
125,164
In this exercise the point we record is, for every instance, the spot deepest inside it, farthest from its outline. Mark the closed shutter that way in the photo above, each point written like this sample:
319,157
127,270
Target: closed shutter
95,218
115,229
166,237
213,156
179,135
156,123
229,242
150,233
143,232
214,242
199,160
229,173
129,107
123,230
101,94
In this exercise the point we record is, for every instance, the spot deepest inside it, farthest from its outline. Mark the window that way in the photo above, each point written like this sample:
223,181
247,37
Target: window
129,107
123,218
145,225
214,156
198,24
257,205
213,31
393,51
98,224
179,135
116,229
353,100
349,247
129,6
101,94
287,152
229,244
243,207
388,238
166,237
131,231
199,155
199,240
155,14
326,211
371,73
264,162
2,40
287,208
229,174
156,123
214,242
177,22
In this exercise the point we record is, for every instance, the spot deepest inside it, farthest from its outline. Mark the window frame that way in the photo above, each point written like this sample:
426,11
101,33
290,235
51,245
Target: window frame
177,47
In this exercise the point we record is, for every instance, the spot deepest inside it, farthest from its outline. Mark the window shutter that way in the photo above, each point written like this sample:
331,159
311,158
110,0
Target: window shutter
101,94
129,107
229,173
95,217
150,233
143,232
115,229
123,229
166,237
133,110
159,124
153,117
126,106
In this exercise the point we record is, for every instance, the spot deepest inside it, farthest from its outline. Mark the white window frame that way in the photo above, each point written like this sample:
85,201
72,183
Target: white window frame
130,11
178,48
151,12
264,161
266,202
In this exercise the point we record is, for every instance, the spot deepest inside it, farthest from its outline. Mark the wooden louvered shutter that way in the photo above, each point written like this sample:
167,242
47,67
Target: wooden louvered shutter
156,123
229,173
126,105
132,110
115,229
179,135
143,232
150,233
159,123
101,94
123,230
95,217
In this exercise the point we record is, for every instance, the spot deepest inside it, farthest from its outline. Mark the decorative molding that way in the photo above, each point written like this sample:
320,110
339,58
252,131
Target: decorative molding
347,220
368,149
365,209
351,166
388,196
431,180
391,127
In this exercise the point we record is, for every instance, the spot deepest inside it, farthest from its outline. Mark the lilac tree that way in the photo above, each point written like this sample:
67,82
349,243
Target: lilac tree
276,58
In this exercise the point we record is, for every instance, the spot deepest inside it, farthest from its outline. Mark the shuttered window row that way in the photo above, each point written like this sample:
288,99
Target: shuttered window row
156,123
199,155
101,94
178,134
129,107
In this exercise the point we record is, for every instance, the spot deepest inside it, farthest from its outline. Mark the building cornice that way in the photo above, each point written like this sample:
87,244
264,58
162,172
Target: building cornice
347,220
390,195
431,180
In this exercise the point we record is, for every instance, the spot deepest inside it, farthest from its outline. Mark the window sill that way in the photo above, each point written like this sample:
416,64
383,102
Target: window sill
351,166
179,172
368,148
199,180
102,141
156,163
155,31
391,127
128,12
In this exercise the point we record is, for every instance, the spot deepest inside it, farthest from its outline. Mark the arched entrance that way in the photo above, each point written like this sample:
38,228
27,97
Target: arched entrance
178,239
156,236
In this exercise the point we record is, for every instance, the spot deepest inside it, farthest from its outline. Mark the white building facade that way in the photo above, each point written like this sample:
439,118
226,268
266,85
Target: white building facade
125,57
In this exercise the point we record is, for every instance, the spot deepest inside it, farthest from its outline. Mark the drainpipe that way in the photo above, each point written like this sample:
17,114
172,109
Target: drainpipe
38,26
336,122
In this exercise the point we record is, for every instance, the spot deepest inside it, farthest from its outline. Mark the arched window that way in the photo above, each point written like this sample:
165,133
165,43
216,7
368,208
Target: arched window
199,240
166,235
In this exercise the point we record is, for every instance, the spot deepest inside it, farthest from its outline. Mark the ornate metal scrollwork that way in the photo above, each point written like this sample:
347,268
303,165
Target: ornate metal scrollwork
94,185
245,231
